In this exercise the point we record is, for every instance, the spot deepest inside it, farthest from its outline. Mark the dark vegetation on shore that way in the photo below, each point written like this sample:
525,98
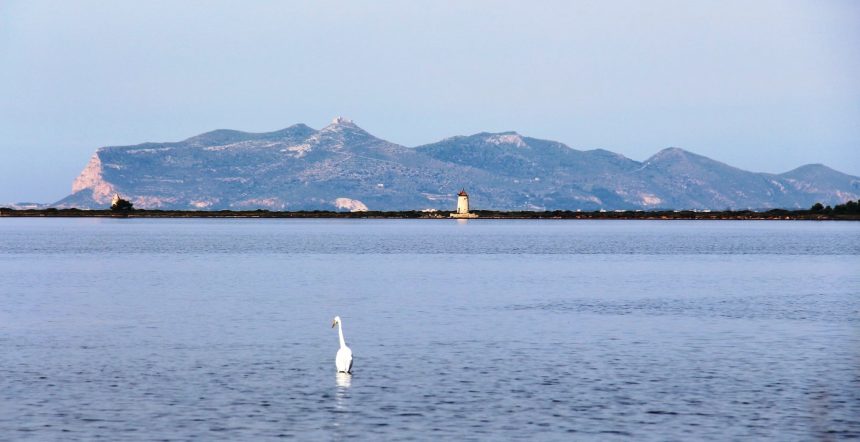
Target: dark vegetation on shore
847,211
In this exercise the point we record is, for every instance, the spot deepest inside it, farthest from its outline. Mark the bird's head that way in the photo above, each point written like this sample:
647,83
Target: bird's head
336,321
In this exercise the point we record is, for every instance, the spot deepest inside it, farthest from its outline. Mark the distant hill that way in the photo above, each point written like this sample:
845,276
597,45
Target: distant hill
341,166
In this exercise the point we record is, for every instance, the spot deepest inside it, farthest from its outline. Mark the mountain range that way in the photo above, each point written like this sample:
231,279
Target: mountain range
343,167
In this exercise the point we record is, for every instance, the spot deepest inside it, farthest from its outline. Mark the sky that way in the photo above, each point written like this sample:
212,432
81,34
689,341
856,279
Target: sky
765,85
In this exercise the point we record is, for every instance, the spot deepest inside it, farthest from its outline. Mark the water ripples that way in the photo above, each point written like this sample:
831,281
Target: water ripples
219,330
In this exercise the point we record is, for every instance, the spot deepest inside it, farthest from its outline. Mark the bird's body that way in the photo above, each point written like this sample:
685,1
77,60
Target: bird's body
343,359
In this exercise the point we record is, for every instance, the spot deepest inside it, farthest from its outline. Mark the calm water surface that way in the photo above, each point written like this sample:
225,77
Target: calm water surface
548,330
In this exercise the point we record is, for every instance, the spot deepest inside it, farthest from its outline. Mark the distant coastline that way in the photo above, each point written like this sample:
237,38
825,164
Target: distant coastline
774,214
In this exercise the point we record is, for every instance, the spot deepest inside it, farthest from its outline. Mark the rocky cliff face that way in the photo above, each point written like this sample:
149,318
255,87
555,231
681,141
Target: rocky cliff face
342,167
91,180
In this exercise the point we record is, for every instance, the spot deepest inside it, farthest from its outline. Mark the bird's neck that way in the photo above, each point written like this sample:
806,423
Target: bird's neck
340,334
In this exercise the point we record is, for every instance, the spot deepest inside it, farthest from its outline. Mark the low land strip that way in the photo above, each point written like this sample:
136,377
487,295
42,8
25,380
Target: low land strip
775,214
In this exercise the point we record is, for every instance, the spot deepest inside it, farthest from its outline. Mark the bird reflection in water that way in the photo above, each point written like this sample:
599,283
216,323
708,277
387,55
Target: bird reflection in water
341,397
344,381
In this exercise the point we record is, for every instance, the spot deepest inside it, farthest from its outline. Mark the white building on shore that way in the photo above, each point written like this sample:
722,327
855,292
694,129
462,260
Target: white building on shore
463,206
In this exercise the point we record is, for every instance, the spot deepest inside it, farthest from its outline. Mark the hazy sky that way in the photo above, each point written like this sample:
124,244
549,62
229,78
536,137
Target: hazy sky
762,85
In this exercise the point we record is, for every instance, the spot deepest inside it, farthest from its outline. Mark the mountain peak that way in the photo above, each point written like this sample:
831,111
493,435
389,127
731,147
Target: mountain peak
813,167
228,136
219,136
510,138
674,154
341,124
342,120
671,151
816,171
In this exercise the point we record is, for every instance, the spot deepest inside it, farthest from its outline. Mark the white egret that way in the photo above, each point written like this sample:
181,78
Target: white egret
343,360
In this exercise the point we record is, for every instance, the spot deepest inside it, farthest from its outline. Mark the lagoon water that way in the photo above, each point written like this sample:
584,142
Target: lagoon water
128,329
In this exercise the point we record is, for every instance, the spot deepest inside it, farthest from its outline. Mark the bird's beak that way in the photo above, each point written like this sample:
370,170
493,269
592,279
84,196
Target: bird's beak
333,323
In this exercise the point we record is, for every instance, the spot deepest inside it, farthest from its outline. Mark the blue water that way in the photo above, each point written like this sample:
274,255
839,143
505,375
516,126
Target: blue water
182,329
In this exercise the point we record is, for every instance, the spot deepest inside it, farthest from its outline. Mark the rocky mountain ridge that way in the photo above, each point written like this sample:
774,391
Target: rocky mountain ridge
341,166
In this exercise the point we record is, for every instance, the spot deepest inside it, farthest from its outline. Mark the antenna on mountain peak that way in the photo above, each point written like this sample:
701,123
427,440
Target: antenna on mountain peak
341,120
